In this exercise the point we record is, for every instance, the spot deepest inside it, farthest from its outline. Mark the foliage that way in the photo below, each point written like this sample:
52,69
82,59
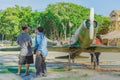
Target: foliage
104,24
60,20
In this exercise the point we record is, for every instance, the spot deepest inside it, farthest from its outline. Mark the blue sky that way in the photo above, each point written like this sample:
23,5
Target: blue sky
102,7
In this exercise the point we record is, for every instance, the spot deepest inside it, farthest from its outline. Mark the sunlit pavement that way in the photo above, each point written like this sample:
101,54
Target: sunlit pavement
57,67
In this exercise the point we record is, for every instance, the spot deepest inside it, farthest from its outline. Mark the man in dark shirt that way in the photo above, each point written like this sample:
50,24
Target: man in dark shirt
25,56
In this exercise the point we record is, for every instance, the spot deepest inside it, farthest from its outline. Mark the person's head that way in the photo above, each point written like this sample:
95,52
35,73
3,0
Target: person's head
25,28
40,29
99,37
34,31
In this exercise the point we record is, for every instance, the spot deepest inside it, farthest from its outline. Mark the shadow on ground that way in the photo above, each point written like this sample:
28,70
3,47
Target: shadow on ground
13,70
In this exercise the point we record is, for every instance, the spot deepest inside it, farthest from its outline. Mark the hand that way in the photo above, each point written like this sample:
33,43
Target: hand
30,44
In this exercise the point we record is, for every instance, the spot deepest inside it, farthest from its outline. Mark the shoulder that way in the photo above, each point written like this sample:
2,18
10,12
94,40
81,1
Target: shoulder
19,35
26,34
40,35
37,35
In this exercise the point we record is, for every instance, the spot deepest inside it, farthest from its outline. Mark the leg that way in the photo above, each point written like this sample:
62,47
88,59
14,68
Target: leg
29,60
19,69
93,60
97,57
27,68
91,54
20,62
38,64
73,55
44,70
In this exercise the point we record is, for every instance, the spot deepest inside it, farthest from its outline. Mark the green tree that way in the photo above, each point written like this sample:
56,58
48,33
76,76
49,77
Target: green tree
60,20
63,18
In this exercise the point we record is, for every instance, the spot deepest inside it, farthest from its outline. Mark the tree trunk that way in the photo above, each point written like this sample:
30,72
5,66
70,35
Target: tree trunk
2,37
65,33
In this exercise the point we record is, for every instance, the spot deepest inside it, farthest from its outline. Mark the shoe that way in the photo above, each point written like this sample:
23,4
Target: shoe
44,75
27,74
18,74
38,75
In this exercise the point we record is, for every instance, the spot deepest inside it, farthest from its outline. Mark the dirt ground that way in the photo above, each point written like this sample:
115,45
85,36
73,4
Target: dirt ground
58,68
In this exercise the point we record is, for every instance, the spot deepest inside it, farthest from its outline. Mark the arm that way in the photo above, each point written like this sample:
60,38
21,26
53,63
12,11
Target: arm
30,41
17,40
37,43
